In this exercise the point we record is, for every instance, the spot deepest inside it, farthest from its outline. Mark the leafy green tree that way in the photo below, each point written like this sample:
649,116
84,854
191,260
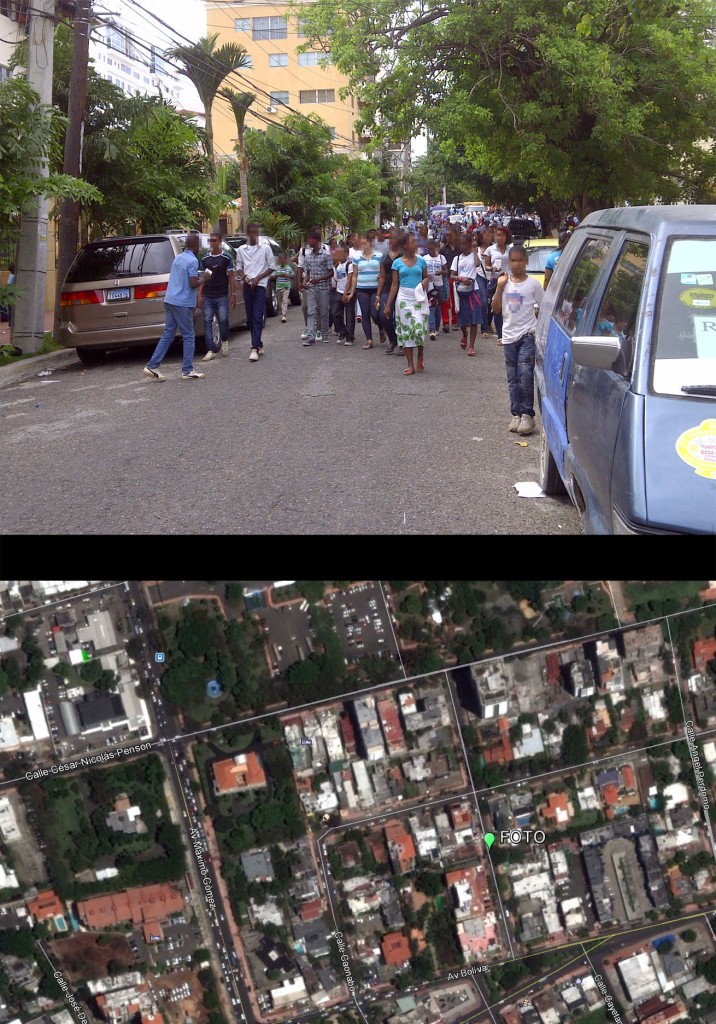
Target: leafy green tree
575,748
589,103
430,883
207,66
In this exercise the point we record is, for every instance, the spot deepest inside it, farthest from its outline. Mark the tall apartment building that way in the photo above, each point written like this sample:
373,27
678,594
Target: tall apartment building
12,31
122,54
279,75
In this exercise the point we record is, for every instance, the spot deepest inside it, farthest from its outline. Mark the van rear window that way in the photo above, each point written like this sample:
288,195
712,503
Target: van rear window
109,261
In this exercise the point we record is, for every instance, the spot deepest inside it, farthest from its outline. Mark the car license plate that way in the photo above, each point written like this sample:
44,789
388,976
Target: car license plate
117,294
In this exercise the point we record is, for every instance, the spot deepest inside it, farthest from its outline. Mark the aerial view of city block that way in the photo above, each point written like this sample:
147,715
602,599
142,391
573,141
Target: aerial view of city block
357,802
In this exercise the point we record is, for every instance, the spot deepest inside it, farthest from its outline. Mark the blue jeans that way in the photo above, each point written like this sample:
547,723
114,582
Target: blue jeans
482,295
255,299
491,289
178,318
365,301
387,323
434,319
218,305
520,366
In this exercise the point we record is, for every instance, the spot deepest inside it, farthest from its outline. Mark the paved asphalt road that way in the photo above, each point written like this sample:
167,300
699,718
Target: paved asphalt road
324,440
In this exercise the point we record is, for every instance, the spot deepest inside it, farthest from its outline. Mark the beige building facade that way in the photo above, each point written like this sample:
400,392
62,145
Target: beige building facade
284,80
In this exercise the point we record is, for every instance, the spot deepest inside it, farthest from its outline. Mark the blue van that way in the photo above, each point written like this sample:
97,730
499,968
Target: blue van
626,371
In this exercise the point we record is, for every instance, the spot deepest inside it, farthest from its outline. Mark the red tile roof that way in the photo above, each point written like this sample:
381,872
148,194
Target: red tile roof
241,772
144,903
391,725
311,910
45,904
401,844
610,794
628,777
395,948
703,651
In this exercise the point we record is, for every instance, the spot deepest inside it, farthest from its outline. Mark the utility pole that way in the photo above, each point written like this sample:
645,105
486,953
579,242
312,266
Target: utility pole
68,234
29,315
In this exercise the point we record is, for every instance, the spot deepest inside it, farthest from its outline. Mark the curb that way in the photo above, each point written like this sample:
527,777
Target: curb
26,369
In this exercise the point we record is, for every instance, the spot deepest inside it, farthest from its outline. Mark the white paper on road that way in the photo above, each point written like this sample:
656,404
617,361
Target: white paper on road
529,489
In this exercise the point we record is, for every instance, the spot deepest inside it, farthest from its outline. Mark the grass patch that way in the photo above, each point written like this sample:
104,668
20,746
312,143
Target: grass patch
48,346
598,1016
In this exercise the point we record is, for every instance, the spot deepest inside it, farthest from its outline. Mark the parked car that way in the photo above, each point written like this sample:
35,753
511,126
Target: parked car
521,228
538,252
626,371
271,297
113,294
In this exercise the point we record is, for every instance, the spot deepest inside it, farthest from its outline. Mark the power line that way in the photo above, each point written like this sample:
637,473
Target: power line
175,35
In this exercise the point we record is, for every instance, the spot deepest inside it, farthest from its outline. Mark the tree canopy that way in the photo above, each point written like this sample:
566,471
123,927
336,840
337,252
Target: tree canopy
590,103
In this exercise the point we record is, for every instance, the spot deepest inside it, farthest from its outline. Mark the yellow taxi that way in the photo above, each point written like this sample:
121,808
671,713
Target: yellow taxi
538,252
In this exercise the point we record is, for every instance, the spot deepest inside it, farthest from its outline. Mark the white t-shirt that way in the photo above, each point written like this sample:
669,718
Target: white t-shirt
436,265
464,266
340,276
354,254
498,260
518,308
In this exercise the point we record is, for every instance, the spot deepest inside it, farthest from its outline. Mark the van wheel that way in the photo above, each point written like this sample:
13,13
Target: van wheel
272,302
91,356
549,479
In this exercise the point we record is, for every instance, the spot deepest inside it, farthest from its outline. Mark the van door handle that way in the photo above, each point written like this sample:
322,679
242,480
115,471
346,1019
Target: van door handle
117,315
561,372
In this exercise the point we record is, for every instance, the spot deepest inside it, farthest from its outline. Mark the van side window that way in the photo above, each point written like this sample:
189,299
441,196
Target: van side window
580,282
617,315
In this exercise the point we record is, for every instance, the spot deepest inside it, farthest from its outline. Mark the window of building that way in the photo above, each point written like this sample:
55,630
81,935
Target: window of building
280,97
118,40
311,59
269,28
4,72
242,24
126,68
278,60
157,64
317,95
333,132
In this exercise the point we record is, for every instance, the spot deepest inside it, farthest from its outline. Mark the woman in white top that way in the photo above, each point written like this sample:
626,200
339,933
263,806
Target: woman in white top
437,270
479,247
495,264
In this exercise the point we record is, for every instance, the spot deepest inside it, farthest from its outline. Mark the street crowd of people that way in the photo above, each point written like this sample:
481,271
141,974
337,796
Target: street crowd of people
400,286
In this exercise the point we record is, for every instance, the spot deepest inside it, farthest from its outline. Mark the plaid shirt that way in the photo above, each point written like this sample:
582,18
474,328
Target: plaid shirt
318,264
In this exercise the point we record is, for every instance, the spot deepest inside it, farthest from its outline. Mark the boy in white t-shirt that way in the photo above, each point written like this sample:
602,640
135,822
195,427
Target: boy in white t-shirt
516,297
342,301
437,272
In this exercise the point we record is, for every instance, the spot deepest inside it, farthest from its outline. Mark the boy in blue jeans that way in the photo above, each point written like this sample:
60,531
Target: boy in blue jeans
515,297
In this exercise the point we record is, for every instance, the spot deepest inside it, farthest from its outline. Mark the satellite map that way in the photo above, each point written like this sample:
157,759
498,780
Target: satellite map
357,802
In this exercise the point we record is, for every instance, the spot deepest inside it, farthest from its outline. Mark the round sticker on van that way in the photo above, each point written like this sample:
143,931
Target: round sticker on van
697,447
699,298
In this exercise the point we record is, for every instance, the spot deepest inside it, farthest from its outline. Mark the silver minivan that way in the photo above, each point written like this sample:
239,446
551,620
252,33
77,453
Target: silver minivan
113,295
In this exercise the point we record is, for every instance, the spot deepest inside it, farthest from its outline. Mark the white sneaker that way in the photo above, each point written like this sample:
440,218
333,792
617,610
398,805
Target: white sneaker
261,351
432,335
209,356
514,424
254,357
154,374
193,375
319,336
224,348
304,335
283,319
527,424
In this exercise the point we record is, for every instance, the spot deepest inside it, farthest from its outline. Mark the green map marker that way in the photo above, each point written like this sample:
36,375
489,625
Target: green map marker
489,839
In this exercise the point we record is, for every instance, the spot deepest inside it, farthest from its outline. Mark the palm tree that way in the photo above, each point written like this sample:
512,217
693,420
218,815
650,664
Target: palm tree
280,227
206,66
240,103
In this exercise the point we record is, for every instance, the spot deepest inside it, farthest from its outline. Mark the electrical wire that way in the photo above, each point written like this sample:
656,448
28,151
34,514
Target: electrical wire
175,34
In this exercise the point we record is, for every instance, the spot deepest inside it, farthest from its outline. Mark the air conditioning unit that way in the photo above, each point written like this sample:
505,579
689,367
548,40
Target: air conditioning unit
270,110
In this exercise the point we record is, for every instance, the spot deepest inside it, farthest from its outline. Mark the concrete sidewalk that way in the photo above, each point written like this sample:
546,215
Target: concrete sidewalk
26,369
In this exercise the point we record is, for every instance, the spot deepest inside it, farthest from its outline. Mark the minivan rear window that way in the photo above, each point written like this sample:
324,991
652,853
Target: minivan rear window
109,261
685,350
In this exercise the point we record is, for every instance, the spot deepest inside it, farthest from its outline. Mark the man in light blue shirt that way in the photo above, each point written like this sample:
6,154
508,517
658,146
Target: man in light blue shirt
179,305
